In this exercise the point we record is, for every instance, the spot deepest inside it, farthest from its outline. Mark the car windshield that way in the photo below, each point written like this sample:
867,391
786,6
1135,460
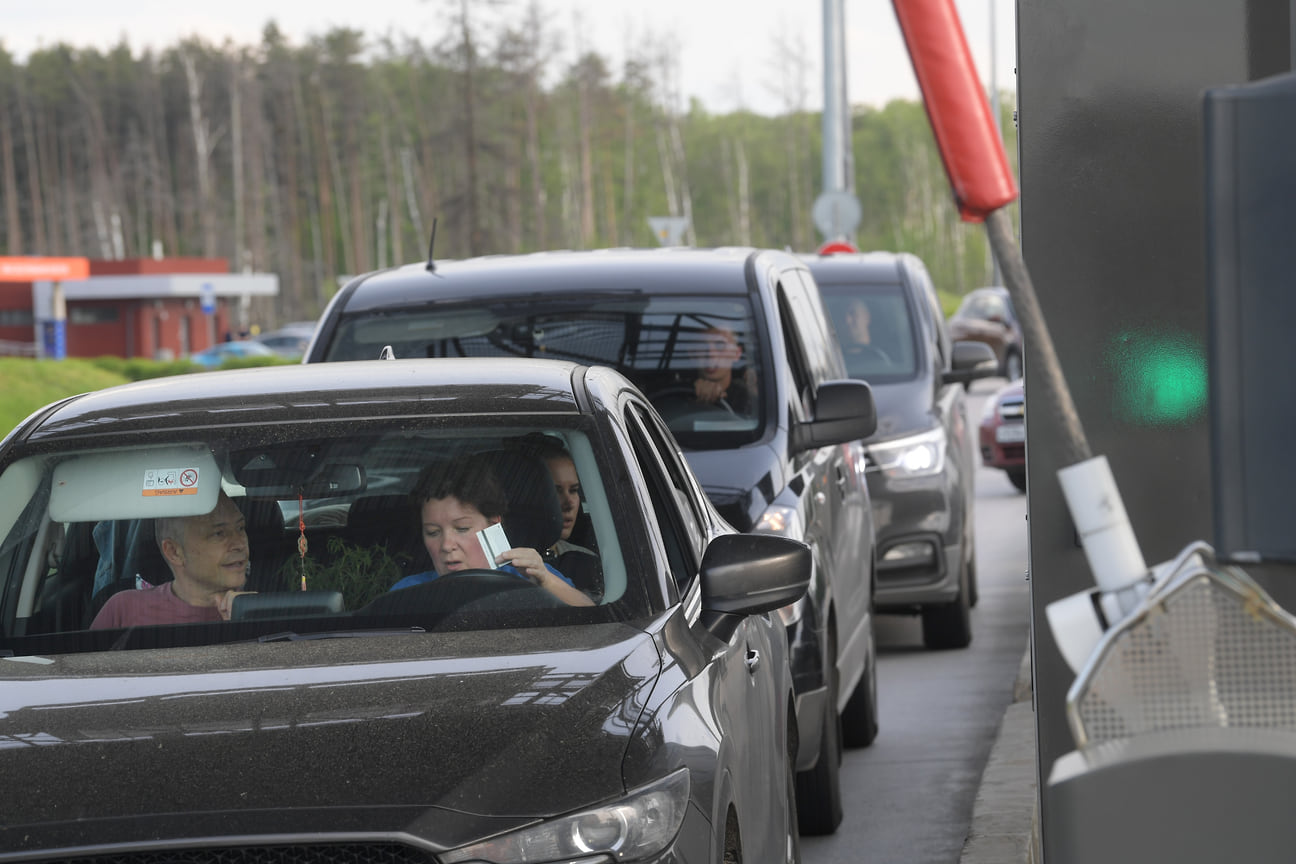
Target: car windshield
335,518
875,328
697,358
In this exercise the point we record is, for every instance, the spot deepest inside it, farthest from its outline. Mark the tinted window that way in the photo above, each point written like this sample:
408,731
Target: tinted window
665,345
876,330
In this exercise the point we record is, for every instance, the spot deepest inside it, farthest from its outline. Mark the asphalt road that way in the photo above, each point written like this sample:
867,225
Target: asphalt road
908,798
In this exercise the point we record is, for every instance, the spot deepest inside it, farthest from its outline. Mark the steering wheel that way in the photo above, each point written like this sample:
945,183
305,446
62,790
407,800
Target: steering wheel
685,392
465,589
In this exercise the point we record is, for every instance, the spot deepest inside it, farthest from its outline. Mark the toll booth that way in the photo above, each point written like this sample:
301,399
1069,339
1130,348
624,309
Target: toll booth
1113,215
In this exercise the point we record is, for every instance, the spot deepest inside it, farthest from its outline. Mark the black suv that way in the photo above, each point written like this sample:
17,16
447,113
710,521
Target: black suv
921,463
733,348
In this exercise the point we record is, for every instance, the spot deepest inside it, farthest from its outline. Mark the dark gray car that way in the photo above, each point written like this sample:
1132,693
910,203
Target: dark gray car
333,717
921,462
776,445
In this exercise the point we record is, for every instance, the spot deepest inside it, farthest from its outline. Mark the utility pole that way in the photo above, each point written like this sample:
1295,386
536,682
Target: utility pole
996,276
836,210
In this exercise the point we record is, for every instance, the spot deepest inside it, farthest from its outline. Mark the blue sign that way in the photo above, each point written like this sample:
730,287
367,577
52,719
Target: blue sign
208,298
54,335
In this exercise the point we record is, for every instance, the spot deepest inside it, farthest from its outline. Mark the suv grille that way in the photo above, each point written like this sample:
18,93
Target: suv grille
323,853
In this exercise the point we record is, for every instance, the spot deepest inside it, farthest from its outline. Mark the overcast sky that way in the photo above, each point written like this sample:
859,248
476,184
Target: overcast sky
726,48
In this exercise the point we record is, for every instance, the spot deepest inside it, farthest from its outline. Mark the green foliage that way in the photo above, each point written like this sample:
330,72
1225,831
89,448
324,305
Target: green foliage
141,368
368,141
361,573
245,363
30,384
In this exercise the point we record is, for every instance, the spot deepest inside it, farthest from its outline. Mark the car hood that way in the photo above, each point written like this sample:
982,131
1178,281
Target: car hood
903,408
741,483
448,737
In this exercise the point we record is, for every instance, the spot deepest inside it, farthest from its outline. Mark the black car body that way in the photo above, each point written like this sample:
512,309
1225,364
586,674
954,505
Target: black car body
921,459
987,315
782,454
470,718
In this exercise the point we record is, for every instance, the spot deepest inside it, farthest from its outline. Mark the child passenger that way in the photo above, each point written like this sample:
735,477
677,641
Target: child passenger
456,500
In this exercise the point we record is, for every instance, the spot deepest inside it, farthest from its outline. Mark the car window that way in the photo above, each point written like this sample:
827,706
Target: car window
332,524
677,517
890,352
665,344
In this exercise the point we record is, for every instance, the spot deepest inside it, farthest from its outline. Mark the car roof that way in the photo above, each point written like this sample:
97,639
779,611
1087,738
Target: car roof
340,390
665,270
855,267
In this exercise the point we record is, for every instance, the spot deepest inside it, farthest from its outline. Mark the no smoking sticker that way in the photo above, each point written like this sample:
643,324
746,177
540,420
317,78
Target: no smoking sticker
170,481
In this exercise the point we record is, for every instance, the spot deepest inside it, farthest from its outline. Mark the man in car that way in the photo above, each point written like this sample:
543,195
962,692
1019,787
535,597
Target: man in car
857,340
716,383
208,557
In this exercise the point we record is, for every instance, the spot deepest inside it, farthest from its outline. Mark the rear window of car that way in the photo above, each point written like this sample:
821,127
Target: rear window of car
891,329
332,525
664,344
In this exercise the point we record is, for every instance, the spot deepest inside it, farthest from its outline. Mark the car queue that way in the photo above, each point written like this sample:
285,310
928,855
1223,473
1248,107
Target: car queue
743,483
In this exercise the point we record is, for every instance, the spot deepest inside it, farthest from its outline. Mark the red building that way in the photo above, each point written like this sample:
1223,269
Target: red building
139,307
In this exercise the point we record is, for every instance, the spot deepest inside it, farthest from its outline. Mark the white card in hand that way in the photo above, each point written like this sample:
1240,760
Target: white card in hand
493,543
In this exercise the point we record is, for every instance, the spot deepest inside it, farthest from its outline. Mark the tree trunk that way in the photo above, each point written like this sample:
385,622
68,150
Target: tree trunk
203,146
13,223
35,192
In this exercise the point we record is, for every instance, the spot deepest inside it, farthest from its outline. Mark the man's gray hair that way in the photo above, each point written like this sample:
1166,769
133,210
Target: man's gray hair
169,528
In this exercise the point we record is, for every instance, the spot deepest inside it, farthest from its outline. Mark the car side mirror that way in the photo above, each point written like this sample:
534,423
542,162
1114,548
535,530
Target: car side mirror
745,574
970,361
843,411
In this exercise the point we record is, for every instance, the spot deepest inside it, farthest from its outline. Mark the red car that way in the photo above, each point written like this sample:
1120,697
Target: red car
1003,433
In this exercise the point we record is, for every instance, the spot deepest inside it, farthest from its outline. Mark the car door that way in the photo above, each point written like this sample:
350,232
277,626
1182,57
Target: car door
950,403
838,496
744,692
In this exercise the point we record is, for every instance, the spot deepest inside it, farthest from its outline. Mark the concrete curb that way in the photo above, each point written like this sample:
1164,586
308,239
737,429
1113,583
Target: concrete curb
1005,817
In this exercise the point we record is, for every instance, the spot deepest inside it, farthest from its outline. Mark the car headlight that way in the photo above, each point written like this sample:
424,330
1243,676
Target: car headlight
780,520
913,456
785,522
639,825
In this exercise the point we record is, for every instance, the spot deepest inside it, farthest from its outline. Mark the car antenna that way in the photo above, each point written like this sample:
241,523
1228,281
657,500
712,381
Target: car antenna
431,265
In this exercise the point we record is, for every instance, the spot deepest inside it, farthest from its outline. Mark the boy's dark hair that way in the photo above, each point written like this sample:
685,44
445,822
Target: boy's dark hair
467,478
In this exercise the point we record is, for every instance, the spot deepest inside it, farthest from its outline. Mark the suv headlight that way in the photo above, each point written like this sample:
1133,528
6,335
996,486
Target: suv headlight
920,455
785,522
780,520
639,825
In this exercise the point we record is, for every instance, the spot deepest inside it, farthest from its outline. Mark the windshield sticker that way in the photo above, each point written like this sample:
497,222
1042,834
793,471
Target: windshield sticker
170,481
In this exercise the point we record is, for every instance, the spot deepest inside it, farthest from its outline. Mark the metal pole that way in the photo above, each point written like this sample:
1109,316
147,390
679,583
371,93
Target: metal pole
1048,388
834,163
996,277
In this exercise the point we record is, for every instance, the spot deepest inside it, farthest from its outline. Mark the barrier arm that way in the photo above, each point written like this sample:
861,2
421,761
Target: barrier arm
972,151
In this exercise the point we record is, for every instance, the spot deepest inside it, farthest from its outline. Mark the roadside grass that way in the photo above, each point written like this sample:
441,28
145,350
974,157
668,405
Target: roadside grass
949,302
27,384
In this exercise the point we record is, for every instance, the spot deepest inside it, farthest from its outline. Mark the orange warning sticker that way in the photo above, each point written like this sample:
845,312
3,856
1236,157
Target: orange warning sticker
170,481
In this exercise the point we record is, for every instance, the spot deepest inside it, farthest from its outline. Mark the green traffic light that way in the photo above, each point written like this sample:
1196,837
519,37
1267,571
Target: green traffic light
1160,377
